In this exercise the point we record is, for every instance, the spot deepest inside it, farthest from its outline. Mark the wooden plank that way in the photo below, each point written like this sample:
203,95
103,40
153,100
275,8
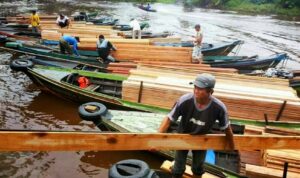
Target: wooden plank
166,166
253,171
75,141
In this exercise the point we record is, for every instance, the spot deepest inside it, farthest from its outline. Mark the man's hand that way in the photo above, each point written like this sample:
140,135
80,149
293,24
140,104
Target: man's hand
229,136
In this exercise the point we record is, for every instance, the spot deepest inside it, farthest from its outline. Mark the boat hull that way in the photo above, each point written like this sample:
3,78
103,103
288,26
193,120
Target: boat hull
255,64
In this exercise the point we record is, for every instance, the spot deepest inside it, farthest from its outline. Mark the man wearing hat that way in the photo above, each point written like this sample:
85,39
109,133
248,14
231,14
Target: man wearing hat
198,111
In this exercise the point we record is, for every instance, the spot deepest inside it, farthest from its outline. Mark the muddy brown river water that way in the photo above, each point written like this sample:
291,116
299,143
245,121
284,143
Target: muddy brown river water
25,107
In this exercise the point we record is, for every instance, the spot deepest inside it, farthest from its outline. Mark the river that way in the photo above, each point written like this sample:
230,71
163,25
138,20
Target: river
25,107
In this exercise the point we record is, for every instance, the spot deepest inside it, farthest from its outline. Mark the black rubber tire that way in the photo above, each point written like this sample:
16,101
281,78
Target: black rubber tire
21,64
143,173
92,116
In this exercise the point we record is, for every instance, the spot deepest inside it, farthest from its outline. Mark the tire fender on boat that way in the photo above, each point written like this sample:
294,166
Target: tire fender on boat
89,115
125,169
21,64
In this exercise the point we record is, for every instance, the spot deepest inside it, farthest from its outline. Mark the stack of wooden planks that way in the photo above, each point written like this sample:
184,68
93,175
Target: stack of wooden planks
253,171
153,53
246,97
82,31
121,68
276,159
25,19
51,25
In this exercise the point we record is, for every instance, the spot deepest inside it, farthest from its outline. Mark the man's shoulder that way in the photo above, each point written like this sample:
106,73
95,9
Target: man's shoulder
218,103
186,97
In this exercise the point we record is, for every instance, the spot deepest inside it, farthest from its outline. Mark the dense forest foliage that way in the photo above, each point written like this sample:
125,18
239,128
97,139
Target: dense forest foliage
281,7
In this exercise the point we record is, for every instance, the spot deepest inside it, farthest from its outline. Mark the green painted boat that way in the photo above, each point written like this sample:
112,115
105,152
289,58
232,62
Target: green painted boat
134,121
22,47
104,88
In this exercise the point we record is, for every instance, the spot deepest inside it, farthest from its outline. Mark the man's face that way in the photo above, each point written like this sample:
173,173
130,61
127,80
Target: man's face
201,93
197,29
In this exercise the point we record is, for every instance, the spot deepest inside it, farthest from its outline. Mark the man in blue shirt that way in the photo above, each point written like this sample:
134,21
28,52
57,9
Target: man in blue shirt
65,44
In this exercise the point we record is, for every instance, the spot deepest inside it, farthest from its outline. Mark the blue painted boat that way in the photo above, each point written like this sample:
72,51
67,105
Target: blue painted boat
249,64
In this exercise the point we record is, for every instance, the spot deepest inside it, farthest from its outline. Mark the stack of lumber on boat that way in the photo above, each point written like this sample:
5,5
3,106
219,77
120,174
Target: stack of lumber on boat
154,53
251,157
271,163
276,158
253,171
81,33
90,42
51,25
25,18
188,67
121,68
246,97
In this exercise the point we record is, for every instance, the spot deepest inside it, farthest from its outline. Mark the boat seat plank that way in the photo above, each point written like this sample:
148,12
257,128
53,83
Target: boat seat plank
92,87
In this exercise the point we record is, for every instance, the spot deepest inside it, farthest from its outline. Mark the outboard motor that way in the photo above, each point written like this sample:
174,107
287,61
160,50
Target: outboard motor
131,168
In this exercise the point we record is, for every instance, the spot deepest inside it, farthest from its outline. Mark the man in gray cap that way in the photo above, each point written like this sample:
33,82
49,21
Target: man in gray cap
198,111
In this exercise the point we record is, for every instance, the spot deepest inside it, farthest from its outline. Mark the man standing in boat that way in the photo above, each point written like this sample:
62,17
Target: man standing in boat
103,47
136,28
197,54
66,42
198,112
63,21
34,21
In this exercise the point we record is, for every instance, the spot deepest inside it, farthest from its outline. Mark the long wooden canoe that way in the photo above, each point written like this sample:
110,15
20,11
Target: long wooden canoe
104,88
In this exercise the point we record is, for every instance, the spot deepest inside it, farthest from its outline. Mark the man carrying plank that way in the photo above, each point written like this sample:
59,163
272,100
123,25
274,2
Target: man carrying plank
198,112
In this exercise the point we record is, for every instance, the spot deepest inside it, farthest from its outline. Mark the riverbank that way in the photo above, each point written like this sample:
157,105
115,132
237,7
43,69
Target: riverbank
274,9
243,6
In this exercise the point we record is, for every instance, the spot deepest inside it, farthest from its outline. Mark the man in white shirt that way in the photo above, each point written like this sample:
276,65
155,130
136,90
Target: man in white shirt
136,29
197,54
63,21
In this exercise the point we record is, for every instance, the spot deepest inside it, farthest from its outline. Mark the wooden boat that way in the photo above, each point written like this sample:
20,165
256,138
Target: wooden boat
124,27
248,64
105,88
147,9
140,122
103,21
83,16
148,35
221,49
52,53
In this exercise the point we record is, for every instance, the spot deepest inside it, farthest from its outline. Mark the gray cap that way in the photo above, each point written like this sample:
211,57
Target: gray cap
205,81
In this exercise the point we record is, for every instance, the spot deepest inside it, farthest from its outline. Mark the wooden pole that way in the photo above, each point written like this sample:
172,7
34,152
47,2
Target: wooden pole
280,110
75,141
